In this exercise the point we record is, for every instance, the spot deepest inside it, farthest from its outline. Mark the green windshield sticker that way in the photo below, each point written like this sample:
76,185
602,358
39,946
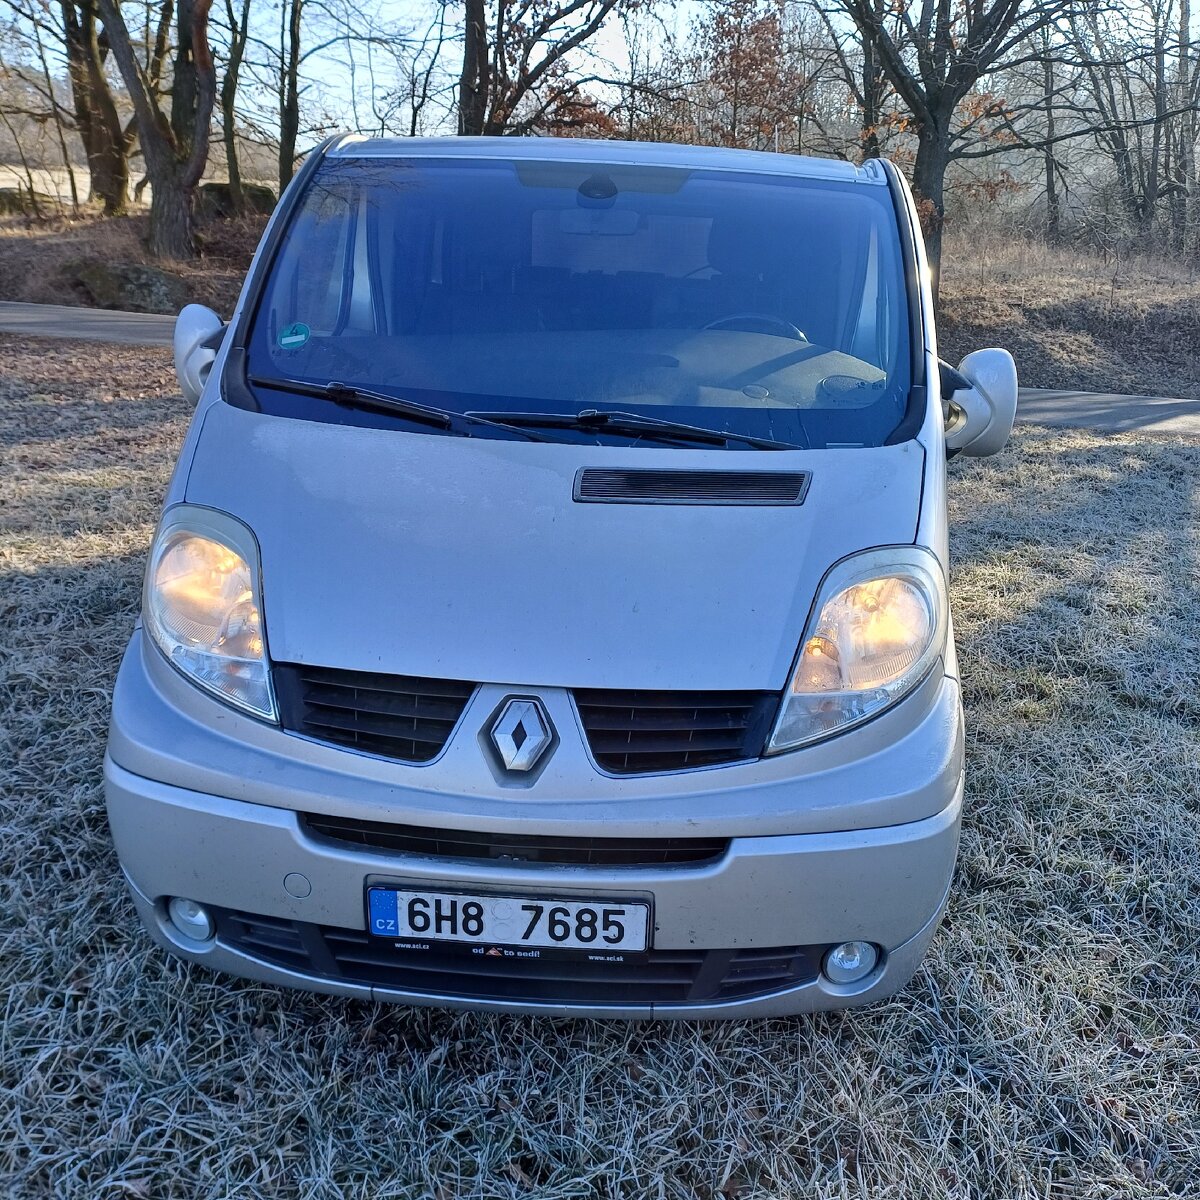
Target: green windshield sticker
294,336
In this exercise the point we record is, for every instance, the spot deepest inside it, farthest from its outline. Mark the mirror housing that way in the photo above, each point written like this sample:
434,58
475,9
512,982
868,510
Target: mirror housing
198,334
980,402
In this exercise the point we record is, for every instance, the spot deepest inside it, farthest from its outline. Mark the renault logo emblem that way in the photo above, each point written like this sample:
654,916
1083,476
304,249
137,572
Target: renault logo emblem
522,733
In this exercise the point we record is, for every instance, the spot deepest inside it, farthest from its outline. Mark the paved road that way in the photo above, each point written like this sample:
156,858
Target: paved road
91,324
1084,410
1109,413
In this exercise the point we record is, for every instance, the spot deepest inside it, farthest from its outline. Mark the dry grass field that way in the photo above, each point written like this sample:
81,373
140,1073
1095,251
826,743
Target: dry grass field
38,258
1073,318
1049,1048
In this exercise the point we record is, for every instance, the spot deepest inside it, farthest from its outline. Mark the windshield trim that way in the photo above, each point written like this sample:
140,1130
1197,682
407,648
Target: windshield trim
914,410
235,384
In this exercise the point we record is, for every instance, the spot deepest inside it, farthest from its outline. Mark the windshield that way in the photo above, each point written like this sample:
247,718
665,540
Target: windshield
767,306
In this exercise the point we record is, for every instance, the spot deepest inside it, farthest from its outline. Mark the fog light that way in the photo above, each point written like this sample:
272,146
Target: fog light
850,962
191,919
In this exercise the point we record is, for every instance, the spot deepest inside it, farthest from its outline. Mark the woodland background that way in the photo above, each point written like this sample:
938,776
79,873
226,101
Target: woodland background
1069,120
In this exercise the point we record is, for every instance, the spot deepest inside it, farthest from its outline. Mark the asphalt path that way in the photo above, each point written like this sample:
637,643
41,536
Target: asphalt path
1109,413
90,324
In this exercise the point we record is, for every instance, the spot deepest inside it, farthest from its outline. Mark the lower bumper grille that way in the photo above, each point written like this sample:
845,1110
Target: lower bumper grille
567,851
660,977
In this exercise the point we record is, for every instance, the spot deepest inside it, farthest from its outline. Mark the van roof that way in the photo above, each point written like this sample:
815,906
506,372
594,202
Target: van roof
663,154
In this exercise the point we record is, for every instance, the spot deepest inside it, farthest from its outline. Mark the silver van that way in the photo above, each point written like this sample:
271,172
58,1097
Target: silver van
548,611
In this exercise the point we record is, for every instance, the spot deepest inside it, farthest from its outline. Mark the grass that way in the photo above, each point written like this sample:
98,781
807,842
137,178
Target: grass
1047,1048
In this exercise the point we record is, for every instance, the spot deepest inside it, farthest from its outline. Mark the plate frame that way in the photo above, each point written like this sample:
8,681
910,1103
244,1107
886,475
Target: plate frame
571,895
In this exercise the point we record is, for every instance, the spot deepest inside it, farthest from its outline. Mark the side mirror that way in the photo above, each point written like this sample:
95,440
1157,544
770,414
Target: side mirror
198,334
980,402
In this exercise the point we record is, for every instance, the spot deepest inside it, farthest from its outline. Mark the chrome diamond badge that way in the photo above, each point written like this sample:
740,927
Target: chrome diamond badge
522,734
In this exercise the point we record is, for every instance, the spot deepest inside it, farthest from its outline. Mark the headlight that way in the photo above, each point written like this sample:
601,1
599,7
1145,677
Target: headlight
203,606
878,626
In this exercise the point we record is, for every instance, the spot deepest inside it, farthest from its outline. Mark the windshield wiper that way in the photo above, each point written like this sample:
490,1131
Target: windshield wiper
350,395
632,424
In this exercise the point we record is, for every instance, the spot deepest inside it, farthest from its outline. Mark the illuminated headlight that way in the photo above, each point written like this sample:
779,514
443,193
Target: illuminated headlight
878,627
203,606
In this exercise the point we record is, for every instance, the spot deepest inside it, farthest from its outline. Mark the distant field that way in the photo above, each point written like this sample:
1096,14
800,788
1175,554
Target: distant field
51,181
1072,317
1050,1047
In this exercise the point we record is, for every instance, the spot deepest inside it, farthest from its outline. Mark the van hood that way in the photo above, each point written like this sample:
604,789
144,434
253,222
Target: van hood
459,558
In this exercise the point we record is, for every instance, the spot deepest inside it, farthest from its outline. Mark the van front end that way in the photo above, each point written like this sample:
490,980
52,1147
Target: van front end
549,611
752,874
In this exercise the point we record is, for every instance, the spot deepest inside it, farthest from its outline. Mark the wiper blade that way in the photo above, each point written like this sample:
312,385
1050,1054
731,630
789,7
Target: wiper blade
356,397
633,424
352,396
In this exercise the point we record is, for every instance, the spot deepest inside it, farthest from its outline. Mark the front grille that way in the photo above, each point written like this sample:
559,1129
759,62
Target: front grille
396,716
640,732
659,977
630,732
465,844
614,486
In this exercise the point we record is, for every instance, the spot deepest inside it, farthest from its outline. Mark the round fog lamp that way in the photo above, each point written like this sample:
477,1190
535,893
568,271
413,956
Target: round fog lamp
191,919
850,962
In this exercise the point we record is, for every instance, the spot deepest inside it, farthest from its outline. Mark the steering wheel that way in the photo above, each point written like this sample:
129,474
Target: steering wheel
771,323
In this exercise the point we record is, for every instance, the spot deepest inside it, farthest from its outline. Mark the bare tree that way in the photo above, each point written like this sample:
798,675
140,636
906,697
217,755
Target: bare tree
516,59
653,86
290,29
239,31
175,144
1141,83
418,70
934,61
10,77
1186,133
70,31
858,64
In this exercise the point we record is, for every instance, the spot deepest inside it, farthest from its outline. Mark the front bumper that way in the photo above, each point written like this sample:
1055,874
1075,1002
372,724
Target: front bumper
208,805
886,886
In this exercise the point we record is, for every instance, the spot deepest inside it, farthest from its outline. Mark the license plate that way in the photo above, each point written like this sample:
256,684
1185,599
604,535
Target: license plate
508,920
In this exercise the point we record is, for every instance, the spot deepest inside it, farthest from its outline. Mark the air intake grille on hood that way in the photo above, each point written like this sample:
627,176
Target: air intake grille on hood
602,486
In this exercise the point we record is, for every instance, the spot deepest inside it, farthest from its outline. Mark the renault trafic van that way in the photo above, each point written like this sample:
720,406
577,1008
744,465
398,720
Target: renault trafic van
549,607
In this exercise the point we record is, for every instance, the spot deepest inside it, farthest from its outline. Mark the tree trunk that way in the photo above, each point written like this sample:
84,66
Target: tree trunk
1053,211
1154,168
1187,138
289,92
872,95
473,83
184,84
229,86
929,183
236,197
175,147
106,143
170,218
108,169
